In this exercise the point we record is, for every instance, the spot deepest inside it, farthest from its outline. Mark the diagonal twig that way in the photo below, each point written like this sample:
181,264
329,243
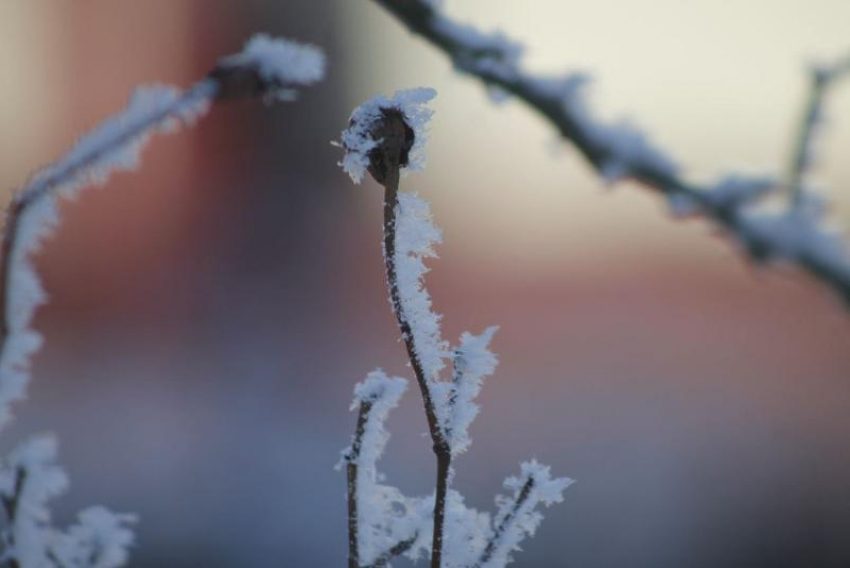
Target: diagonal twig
822,78
506,521
494,61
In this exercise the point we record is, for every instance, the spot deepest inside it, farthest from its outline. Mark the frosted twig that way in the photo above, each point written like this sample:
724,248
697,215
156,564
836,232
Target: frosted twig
403,546
10,508
517,516
505,522
265,67
621,151
382,523
823,77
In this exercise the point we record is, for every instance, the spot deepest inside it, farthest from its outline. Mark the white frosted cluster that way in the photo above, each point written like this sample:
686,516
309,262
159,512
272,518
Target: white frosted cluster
627,147
357,140
416,238
99,539
31,478
473,361
494,50
114,145
794,234
386,517
513,524
281,63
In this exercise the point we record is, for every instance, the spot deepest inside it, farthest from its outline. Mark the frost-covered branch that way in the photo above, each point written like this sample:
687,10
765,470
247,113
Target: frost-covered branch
29,477
621,150
382,523
267,67
517,516
384,136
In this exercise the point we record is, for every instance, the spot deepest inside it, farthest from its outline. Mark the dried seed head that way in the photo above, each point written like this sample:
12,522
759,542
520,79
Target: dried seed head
385,132
394,139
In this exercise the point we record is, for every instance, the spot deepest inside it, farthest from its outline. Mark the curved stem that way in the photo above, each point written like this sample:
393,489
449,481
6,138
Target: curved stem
390,180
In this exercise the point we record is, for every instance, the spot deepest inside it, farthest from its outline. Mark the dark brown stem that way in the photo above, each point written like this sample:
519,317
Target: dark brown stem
387,171
10,508
396,550
352,459
493,543
422,18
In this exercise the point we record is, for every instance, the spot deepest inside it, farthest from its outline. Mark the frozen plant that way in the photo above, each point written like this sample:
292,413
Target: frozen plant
386,135
795,234
29,477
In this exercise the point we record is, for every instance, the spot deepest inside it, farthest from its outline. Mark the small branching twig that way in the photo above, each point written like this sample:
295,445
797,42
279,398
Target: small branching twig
822,79
795,236
506,521
375,511
517,516
352,461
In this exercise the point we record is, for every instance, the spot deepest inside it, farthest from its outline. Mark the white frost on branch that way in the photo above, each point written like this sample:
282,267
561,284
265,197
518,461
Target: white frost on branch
620,150
99,539
730,192
794,234
358,139
517,516
465,532
494,49
385,516
473,361
114,145
281,63
416,239
627,148
30,478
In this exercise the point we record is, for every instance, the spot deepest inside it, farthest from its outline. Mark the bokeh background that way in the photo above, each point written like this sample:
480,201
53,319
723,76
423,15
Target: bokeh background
210,313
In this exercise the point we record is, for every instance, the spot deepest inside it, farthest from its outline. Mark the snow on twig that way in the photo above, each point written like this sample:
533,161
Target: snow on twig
383,523
517,516
619,151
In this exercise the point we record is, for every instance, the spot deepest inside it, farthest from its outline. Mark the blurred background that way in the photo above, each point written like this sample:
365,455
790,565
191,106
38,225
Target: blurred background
210,314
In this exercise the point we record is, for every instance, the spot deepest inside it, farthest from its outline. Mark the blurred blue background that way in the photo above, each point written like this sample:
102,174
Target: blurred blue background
210,314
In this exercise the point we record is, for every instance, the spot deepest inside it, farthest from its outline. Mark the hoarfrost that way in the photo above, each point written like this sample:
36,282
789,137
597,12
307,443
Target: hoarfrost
358,141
